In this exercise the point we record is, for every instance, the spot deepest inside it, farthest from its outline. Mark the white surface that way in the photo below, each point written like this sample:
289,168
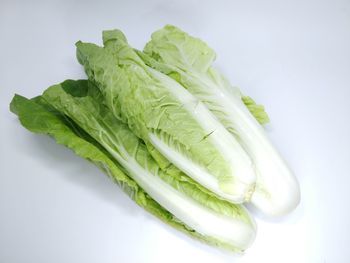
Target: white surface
292,56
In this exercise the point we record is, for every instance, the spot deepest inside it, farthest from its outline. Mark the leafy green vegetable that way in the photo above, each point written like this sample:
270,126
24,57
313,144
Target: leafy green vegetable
172,132
175,126
188,201
40,117
189,61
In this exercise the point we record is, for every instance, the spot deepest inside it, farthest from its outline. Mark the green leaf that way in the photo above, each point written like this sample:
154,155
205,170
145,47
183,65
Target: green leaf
257,110
189,61
175,126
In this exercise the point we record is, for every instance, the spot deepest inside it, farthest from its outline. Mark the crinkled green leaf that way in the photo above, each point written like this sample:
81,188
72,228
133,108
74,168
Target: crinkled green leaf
189,61
167,118
257,110
39,117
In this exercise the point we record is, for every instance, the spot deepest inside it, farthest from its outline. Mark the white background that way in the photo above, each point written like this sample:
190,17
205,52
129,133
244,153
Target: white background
292,56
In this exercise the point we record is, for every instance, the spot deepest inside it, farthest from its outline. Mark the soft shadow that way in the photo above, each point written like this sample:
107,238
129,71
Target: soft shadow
220,254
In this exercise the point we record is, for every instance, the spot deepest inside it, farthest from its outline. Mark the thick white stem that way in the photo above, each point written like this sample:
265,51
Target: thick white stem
239,183
198,217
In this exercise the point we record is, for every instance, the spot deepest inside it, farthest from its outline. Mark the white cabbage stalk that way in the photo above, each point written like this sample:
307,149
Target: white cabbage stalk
203,220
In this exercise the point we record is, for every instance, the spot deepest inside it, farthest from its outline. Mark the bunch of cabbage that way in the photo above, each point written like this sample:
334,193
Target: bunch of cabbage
172,132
